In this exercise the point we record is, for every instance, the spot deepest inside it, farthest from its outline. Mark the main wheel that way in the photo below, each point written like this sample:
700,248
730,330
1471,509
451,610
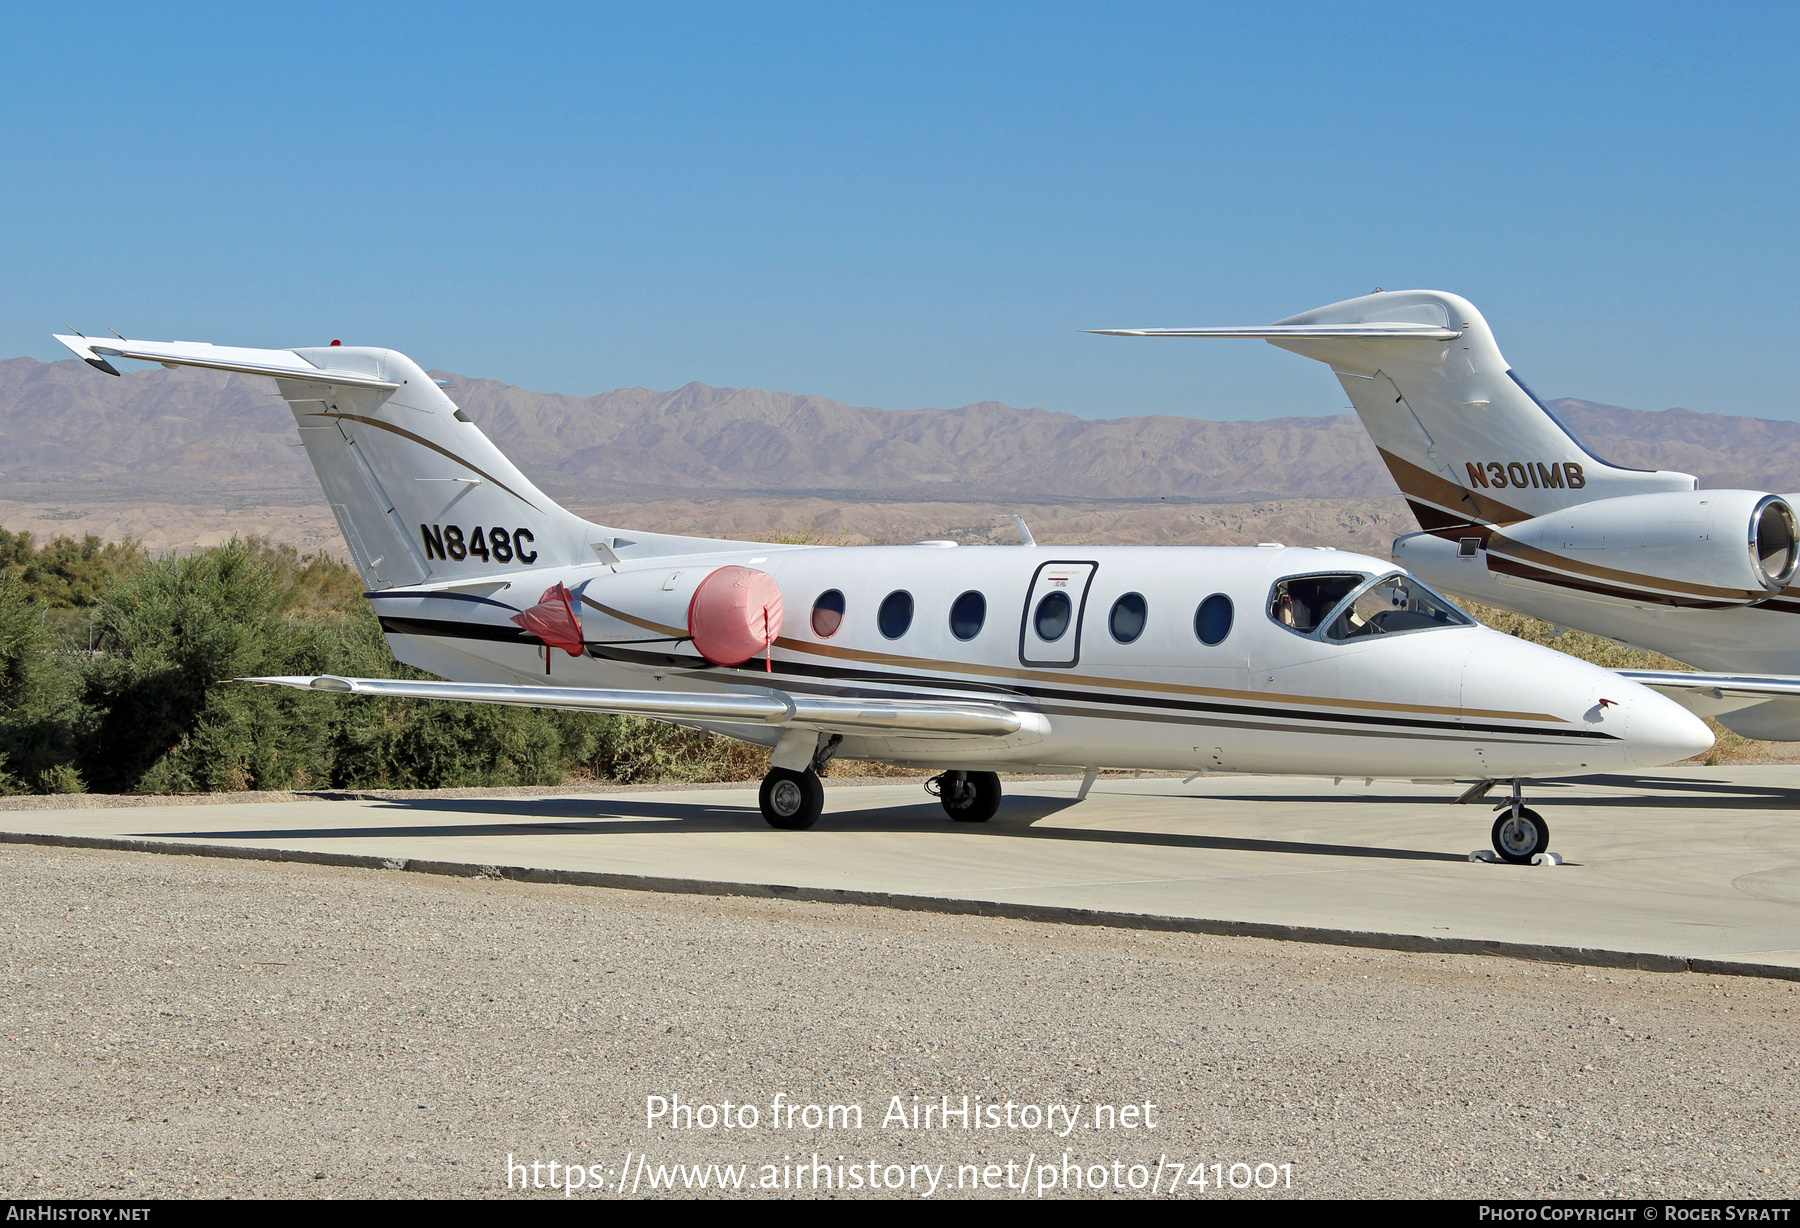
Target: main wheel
1520,839
970,797
791,801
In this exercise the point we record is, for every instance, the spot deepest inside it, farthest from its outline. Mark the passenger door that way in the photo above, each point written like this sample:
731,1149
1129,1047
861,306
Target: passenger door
1050,628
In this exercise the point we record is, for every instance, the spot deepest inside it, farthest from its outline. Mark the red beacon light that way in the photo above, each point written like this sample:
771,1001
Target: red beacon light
337,342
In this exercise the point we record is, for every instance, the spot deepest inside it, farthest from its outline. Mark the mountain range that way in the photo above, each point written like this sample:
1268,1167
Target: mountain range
66,429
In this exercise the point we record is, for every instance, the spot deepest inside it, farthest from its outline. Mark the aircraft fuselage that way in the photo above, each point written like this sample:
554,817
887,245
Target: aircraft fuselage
1437,703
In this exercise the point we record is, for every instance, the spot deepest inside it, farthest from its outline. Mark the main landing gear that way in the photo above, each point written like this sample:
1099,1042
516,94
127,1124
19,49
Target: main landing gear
792,801
968,797
789,800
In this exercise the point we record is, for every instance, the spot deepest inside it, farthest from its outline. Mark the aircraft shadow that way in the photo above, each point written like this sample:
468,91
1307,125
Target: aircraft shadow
1685,785
1018,819
1636,793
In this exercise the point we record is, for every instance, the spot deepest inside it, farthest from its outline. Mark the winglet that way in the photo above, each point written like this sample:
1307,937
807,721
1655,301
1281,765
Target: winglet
80,346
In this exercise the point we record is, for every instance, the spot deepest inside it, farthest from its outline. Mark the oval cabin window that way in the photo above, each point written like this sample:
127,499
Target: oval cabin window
896,614
1052,617
1128,615
968,615
828,613
1212,621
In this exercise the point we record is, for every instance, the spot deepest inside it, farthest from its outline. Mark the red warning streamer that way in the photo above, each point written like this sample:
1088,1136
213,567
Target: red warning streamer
555,621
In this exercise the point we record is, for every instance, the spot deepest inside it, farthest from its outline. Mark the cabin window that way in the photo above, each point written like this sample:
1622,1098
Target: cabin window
895,614
1393,604
1212,620
1128,615
1302,603
828,613
967,615
1052,617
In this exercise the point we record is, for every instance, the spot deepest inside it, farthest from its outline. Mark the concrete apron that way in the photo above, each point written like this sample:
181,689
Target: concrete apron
1682,869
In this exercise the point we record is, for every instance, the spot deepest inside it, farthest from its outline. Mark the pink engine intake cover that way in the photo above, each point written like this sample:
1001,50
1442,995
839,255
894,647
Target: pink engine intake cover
735,614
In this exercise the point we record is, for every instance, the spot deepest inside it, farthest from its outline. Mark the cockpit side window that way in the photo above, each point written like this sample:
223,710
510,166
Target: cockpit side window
1394,604
1301,603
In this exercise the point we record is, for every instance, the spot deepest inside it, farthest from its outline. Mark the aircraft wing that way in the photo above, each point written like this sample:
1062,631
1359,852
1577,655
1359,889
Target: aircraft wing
1297,332
282,364
761,706
1713,694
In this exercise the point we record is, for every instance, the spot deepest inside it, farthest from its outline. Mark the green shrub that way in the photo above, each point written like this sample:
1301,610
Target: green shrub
65,572
156,709
41,716
62,778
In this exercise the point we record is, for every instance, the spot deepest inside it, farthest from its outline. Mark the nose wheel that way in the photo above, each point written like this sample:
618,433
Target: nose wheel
1519,833
791,801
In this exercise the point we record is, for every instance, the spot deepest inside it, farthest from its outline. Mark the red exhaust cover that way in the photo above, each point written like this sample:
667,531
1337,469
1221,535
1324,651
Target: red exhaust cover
735,614
554,620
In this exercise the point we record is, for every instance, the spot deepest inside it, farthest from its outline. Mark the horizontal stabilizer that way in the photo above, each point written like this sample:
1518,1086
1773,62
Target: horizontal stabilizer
1298,332
282,364
756,707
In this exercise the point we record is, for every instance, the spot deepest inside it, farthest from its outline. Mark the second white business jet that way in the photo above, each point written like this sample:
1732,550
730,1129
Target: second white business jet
1518,513
972,660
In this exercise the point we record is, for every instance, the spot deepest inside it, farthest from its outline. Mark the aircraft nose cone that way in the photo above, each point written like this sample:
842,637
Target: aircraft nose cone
1660,731
1602,722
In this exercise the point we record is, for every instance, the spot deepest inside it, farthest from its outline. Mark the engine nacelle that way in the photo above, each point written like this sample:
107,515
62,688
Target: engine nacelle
659,615
1700,546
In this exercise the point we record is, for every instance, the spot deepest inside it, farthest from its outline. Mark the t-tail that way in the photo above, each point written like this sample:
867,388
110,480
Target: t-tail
1467,441
422,496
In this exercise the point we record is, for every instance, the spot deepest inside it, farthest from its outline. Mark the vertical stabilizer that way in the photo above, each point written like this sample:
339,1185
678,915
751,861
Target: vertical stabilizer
420,492
1465,438
1466,441
421,495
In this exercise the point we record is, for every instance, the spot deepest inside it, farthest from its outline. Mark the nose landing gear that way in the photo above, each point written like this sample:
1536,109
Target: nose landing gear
1520,833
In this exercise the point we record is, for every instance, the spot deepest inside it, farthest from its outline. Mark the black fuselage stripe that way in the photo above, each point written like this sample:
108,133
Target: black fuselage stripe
455,630
471,597
513,635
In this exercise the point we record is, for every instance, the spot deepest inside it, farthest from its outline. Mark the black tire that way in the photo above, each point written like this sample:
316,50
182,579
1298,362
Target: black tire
791,801
970,797
1520,842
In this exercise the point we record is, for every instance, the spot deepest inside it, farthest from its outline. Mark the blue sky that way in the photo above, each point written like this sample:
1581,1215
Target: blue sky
919,205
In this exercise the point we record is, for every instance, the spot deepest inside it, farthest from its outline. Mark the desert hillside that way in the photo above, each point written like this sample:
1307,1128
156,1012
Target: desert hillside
181,458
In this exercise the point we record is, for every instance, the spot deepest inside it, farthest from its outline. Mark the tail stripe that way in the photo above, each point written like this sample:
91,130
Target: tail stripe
405,434
1428,487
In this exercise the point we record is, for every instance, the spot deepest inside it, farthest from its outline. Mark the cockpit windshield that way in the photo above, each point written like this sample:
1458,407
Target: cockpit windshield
1393,604
1301,603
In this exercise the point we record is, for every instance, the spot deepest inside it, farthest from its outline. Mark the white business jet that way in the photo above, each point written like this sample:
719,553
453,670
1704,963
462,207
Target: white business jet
972,660
1516,512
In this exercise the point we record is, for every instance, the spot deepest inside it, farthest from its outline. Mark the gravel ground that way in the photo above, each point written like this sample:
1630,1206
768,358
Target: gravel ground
178,1026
